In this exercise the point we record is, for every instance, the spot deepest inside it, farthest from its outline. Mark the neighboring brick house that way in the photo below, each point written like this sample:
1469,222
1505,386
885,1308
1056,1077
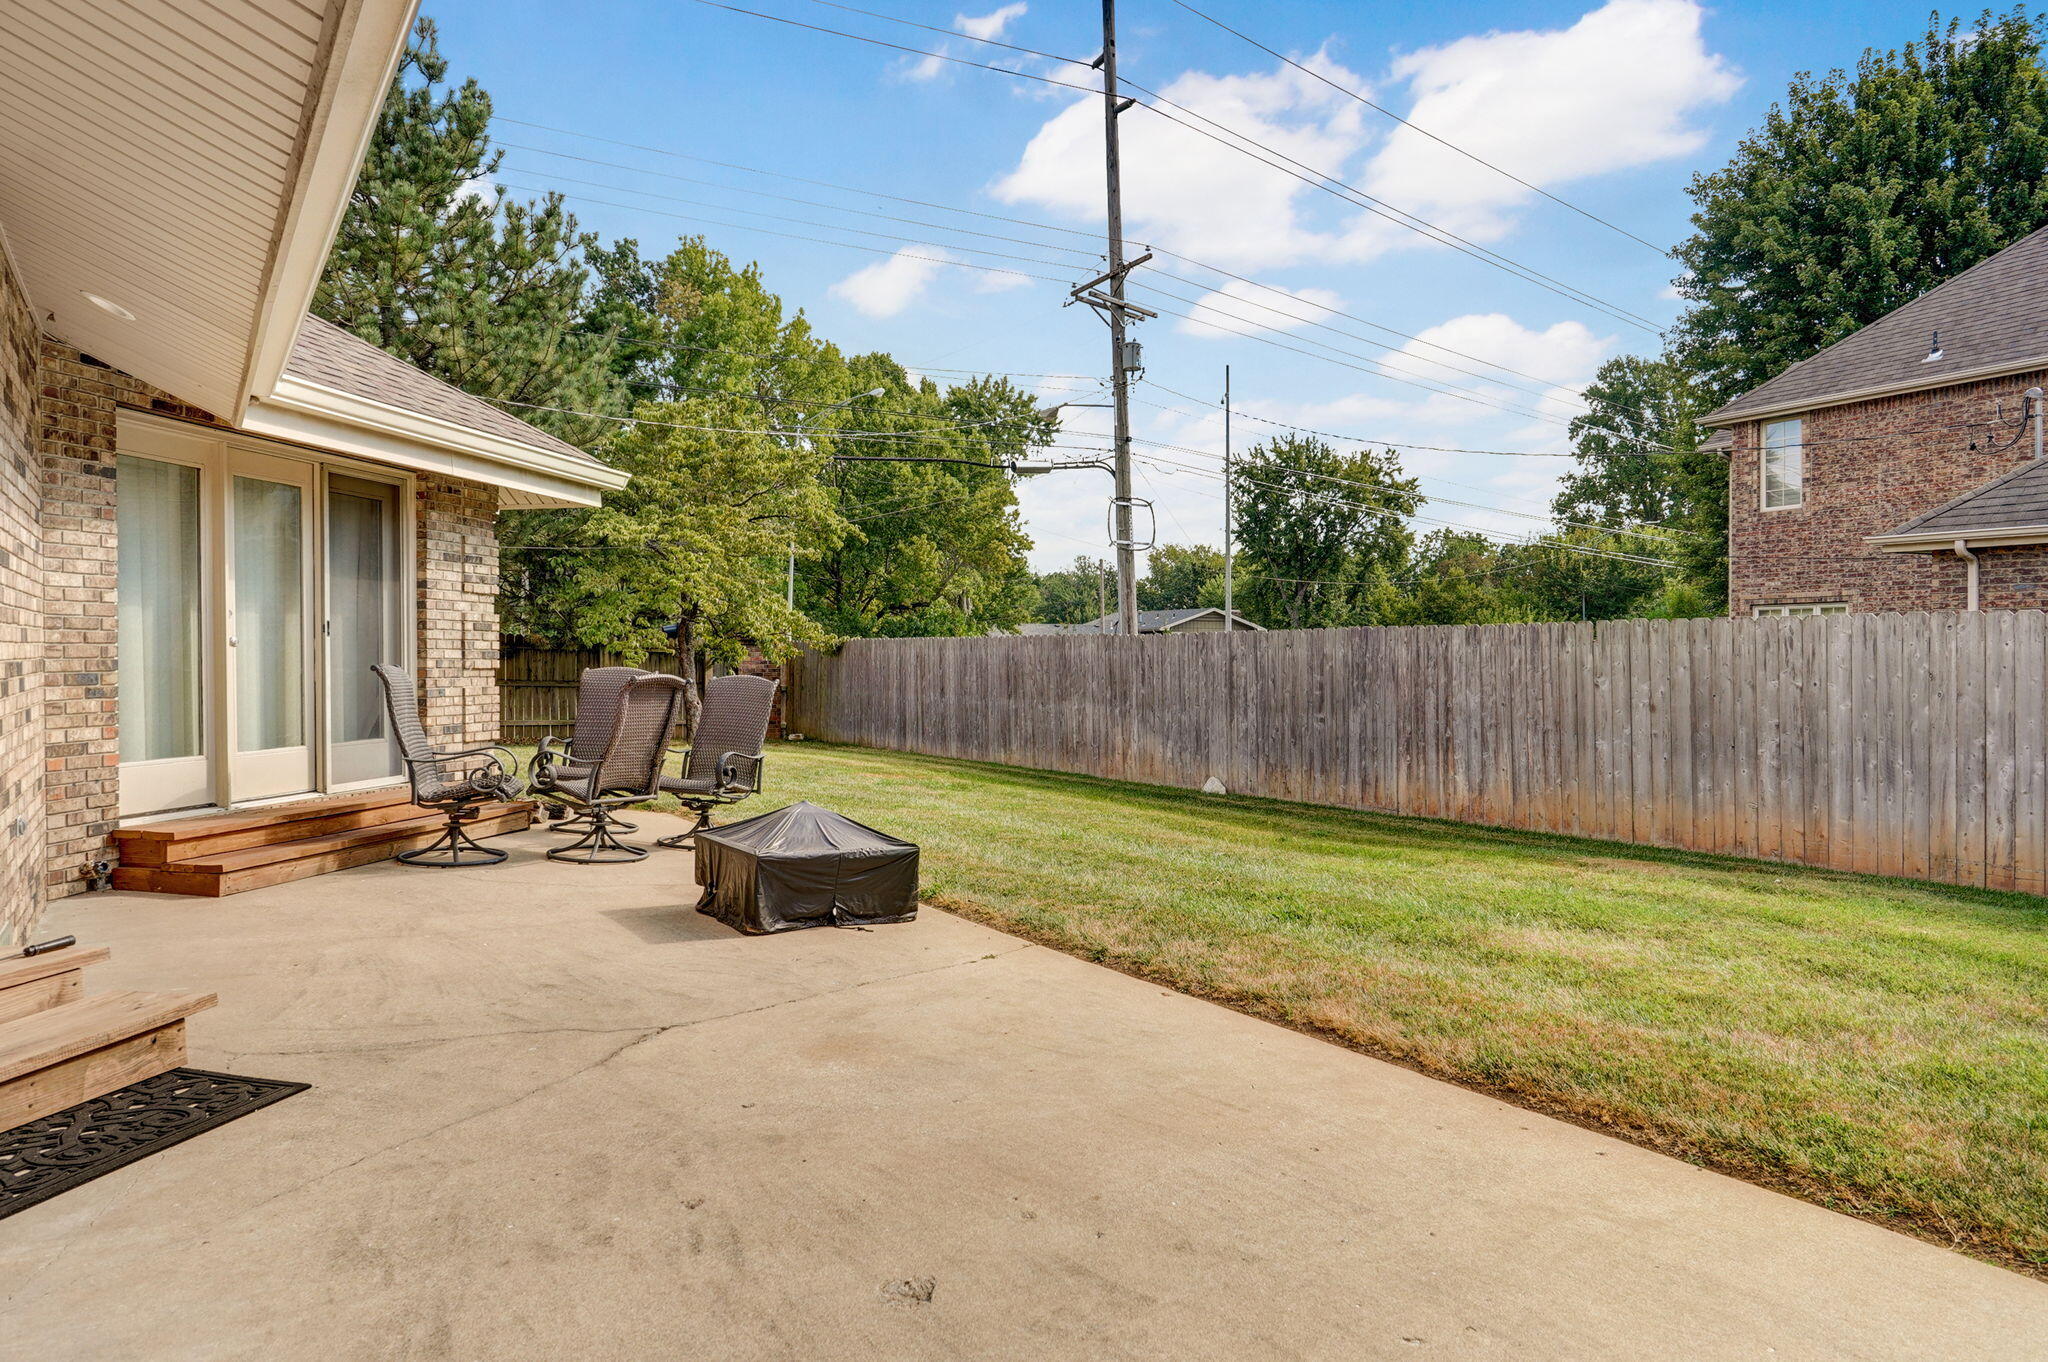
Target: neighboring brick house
216,511
1895,470
1207,619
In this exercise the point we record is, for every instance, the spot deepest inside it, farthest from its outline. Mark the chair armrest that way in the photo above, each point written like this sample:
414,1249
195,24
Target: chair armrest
740,771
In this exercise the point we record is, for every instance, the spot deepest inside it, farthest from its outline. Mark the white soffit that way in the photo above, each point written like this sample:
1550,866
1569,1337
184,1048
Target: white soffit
188,161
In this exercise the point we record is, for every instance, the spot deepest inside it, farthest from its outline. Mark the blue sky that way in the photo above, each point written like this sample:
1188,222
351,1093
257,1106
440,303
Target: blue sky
1612,107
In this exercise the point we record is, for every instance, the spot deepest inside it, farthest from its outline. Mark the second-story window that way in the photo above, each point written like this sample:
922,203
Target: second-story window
1784,457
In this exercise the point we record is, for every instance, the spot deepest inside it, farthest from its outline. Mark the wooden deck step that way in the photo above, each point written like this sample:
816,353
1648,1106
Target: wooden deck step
44,981
231,872
179,839
61,1056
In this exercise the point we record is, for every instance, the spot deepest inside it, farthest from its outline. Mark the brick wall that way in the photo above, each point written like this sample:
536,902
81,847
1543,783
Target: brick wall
80,397
458,611
1871,466
22,832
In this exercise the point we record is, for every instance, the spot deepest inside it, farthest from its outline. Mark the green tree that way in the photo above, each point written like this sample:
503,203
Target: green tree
697,539
1076,594
935,547
1578,573
1859,193
1182,577
1311,520
1451,577
434,266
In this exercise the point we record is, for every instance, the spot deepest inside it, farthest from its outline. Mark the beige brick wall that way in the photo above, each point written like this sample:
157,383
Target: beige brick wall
77,749
80,399
1870,467
458,611
22,834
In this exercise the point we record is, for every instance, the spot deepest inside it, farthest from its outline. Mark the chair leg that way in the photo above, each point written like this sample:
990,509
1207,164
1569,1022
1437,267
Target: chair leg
681,840
600,845
564,822
455,847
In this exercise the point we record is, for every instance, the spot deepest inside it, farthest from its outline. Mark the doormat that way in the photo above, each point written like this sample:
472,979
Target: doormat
68,1148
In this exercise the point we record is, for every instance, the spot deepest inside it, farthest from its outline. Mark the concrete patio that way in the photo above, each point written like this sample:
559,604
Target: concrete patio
556,1113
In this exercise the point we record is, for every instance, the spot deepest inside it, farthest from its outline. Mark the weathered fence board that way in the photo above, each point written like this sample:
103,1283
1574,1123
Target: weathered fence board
1895,744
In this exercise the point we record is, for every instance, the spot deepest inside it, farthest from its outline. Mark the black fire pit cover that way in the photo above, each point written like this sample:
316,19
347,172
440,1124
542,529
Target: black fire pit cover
804,866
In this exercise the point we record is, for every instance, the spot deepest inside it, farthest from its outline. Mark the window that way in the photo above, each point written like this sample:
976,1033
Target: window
1821,608
1784,457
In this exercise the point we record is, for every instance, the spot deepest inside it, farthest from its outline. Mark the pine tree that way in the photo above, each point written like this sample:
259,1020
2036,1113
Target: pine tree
437,266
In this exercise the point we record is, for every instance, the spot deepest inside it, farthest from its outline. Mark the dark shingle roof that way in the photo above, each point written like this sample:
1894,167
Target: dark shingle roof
1992,316
328,355
2014,500
1151,621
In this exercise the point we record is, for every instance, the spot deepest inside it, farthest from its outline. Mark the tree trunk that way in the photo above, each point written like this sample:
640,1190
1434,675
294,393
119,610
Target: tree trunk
690,666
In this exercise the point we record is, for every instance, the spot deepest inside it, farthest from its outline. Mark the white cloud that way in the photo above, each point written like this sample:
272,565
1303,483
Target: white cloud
1188,192
990,25
887,287
1617,89
1238,308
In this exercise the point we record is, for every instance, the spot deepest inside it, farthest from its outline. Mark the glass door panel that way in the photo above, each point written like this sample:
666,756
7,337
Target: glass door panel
362,626
269,580
161,590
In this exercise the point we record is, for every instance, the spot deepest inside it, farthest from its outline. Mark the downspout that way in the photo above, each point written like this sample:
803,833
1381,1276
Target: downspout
1963,552
2034,402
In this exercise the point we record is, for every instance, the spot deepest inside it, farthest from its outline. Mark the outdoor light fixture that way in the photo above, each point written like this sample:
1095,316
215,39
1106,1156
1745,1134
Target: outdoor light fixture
107,305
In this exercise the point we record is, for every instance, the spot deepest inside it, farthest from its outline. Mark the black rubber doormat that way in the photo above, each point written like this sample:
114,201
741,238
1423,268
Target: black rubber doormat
70,1147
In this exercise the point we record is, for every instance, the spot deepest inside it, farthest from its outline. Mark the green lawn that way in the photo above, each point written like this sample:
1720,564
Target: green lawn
1875,1045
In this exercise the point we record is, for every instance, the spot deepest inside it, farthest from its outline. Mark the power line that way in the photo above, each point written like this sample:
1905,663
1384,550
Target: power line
968,212
954,33
1330,184
1322,180
1440,141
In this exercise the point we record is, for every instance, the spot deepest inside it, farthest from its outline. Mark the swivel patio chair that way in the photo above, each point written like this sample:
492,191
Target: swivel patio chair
454,781
627,772
723,764
598,691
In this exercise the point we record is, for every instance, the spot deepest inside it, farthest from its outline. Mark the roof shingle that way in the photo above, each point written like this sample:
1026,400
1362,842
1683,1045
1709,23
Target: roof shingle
327,355
2010,501
1992,316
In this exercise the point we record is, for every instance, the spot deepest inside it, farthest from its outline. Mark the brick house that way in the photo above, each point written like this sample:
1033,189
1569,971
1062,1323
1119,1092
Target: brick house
216,511
1897,469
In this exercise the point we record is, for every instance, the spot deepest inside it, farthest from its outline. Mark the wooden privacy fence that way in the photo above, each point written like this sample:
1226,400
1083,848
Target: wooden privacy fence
1895,744
537,686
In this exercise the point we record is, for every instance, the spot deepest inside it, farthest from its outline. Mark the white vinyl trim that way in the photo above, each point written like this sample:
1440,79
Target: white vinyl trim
365,47
316,414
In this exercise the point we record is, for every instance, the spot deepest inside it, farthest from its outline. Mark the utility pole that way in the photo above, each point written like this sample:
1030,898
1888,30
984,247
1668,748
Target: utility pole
1229,605
1123,352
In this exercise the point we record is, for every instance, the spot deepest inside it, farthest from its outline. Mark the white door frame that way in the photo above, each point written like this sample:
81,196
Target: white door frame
218,454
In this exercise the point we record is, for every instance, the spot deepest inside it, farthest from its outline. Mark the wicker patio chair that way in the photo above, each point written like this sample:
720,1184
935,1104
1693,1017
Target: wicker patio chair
723,764
598,691
627,772
451,780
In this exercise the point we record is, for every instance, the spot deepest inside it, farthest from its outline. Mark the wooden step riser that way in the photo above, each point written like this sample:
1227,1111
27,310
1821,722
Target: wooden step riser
52,990
92,1074
200,847
174,879
271,819
30,984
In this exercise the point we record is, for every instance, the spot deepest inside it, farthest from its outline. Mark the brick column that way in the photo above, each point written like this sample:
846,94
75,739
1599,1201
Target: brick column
22,830
458,611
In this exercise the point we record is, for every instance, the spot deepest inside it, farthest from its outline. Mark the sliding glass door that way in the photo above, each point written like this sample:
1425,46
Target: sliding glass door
269,624
164,692
363,626
255,591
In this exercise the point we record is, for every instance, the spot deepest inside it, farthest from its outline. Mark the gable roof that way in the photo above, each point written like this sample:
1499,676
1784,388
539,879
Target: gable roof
1993,319
338,359
2013,505
1157,621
